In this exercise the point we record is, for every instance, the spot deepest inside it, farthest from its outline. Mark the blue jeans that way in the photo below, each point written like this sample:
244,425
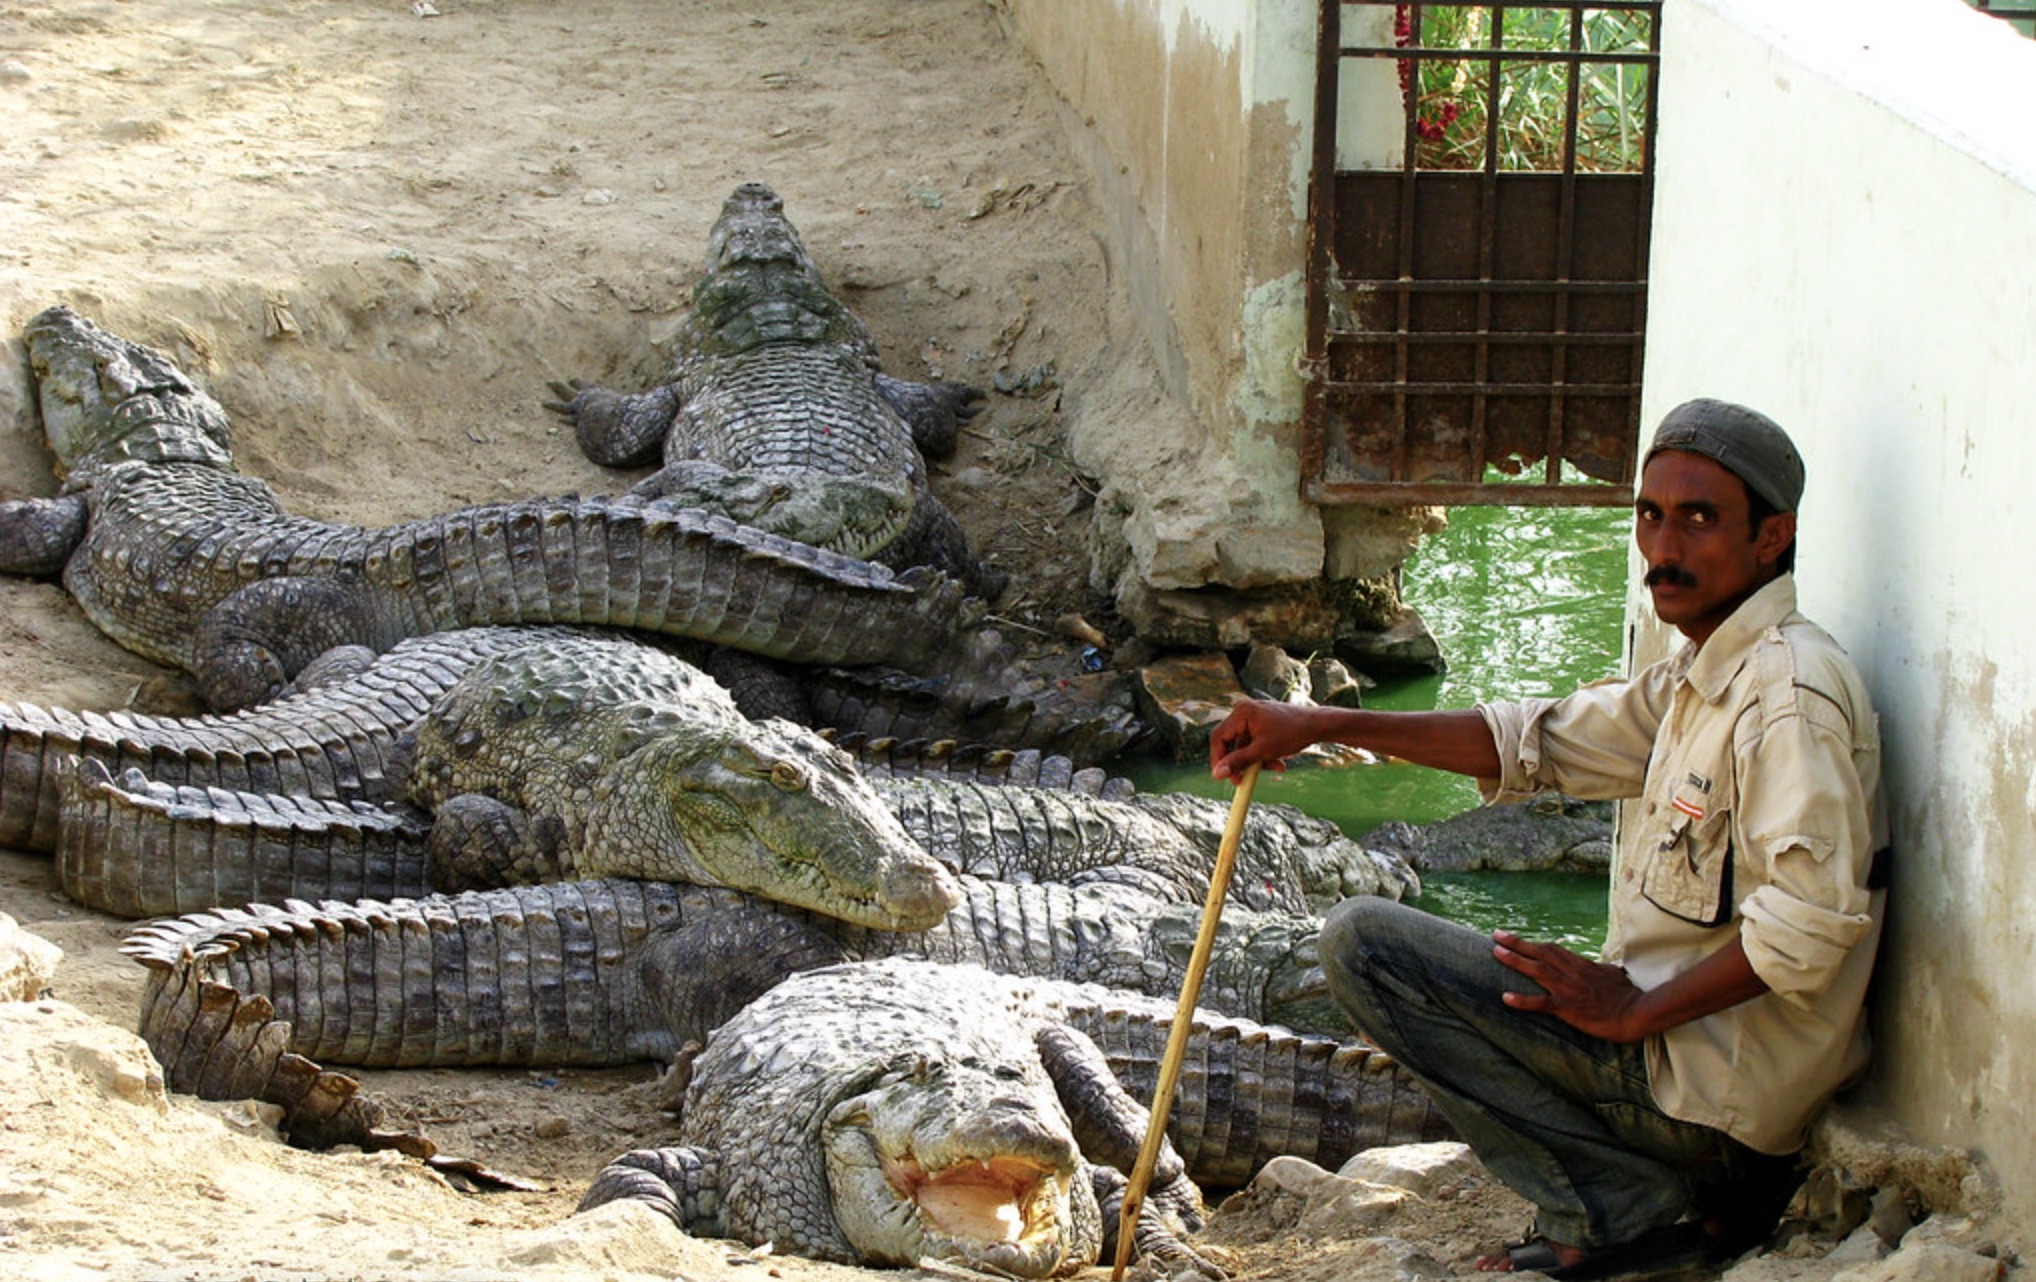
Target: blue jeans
1565,1119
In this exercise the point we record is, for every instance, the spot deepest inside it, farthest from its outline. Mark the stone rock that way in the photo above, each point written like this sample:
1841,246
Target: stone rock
1177,513
1854,1153
1185,697
1421,1169
27,962
1954,1230
1362,621
1329,1205
1295,1175
1889,1215
1366,542
1333,684
1228,619
1271,673
1351,1209
1860,1246
1930,1262
247,1116
1551,833
76,1057
1833,1205
1403,645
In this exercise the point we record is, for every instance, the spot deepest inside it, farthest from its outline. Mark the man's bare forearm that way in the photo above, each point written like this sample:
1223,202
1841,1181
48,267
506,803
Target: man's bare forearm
1266,733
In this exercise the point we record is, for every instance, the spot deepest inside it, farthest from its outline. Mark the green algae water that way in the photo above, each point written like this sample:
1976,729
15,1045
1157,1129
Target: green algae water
1526,602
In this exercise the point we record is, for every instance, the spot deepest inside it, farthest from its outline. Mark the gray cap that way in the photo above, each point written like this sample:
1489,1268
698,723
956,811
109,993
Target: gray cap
1746,442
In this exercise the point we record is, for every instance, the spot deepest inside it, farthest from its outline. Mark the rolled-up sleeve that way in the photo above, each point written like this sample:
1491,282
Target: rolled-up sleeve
1804,813
1592,744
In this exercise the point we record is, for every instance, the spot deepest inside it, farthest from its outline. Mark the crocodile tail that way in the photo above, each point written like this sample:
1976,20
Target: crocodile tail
134,847
529,976
1250,1092
219,1043
670,570
892,757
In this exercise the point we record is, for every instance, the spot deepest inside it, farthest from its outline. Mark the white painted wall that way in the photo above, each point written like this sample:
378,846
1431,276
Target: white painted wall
1845,237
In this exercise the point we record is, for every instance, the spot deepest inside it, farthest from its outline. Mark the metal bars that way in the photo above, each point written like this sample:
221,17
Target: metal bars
1477,303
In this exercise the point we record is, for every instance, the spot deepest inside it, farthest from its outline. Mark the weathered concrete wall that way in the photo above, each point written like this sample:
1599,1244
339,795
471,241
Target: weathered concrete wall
1845,237
1196,117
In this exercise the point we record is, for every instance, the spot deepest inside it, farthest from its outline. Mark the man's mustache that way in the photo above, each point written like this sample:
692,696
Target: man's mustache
1673,575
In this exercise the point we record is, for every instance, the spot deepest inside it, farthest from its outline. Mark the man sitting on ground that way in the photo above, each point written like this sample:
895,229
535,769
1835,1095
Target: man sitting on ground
1650,1104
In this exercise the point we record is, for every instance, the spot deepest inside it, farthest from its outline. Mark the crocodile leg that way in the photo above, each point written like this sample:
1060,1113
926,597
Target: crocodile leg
478,842
251,645
1111,1126
1157,1235
934,411
173,531
616,430
38,535
682,1184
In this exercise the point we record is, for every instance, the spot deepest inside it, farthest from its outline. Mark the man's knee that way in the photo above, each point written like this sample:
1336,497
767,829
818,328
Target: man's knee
1359,927
1367,941
1359,936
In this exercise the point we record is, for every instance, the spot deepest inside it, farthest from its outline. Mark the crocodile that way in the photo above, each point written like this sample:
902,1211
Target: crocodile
602,756
334,740
247,1002
863,1113
512,762
507,730
507,966
135,847
584,756
773,410
178,556
886,1114
1552,832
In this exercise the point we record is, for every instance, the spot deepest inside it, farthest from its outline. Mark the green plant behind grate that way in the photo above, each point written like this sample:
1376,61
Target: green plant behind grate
1533,99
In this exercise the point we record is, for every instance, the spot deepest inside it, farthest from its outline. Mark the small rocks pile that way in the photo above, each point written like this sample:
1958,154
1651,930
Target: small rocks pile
1835,1231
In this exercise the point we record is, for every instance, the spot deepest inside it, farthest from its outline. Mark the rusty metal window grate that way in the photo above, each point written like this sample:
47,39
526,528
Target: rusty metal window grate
1477,297
2019,14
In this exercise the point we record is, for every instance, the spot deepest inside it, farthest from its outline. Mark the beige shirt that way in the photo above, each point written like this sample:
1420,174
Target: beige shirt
1757,762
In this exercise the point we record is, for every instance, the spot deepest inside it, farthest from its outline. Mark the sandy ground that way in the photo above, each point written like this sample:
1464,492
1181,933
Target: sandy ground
376,234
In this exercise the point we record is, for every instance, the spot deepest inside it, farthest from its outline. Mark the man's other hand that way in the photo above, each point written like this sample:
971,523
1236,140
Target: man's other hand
1587,995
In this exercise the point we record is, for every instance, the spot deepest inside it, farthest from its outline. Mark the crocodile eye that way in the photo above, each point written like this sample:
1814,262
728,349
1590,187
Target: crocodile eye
788,776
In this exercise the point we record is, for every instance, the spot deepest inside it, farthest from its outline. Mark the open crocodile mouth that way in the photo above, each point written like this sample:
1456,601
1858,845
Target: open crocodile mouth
997,1200
933,1164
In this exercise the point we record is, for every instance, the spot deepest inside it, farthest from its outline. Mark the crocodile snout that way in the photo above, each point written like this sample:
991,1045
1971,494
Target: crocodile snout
919,895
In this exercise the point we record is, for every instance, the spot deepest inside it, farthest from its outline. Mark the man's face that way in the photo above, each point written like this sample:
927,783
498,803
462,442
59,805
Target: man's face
1694,529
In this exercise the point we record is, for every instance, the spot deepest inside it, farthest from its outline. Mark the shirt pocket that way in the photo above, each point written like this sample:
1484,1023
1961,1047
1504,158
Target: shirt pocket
1689,873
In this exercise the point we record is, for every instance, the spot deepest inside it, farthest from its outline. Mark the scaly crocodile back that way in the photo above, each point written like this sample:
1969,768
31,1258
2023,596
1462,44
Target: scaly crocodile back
580,974
190,563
